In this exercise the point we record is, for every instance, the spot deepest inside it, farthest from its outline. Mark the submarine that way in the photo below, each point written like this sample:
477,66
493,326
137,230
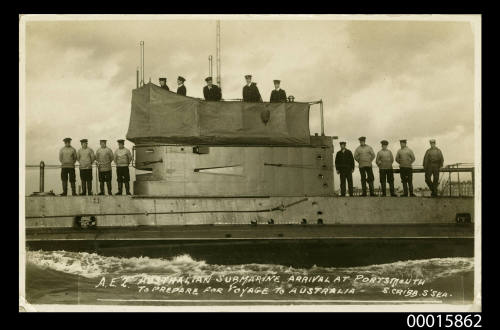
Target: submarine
234,182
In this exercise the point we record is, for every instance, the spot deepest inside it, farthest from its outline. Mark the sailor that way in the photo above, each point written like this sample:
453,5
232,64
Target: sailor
384,162
250,91
163,83
181,89
123,158
364,155
86,158
405,159
104,157
344,163
433,161
211,92
67,157
278,94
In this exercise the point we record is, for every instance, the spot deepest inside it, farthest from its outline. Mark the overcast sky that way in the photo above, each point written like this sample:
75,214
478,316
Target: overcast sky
381,79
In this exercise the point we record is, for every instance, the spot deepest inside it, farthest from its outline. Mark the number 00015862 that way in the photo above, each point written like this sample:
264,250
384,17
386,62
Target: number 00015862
444,321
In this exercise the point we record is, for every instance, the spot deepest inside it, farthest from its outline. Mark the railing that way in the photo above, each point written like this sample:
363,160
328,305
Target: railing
42,166
448,187
459,188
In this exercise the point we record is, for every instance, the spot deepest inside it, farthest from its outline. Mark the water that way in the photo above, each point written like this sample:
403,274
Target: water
65,277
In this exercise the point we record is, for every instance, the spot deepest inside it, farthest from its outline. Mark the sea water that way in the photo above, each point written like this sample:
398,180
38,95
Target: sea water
64,277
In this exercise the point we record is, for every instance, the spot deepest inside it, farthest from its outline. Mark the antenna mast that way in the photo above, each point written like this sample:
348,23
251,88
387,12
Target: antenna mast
218,54
210,67
142,62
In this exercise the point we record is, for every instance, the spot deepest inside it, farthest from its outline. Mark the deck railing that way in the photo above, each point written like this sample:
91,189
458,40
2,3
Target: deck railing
447,187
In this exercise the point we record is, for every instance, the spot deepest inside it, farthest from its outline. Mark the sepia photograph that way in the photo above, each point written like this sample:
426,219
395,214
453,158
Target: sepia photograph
250,163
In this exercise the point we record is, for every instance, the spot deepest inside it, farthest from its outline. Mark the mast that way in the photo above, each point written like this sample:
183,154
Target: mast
142,63
218,53
210,67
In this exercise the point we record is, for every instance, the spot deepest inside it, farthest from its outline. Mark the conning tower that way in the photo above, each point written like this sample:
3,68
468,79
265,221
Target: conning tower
190,147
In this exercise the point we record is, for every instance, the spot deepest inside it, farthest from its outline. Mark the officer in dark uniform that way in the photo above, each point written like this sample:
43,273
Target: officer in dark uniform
344,163
278,94
211,92
250,91
181,90
163,83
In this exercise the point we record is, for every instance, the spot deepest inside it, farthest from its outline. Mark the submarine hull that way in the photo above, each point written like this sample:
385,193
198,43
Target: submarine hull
298,231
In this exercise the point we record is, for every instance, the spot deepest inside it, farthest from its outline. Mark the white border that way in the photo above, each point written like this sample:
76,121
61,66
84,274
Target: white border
474,20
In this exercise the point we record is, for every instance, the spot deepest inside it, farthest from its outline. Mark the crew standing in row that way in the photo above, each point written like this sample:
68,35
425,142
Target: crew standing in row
122,158
278,94
68,157
344,163
405,159
384,162
104,157
163,84
365,155
86,158
181,89
211,92
250,91
433,161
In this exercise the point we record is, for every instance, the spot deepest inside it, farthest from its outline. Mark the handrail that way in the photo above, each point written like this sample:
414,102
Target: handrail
451,168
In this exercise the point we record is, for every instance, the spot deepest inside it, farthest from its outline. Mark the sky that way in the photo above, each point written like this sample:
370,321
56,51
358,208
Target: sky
388,80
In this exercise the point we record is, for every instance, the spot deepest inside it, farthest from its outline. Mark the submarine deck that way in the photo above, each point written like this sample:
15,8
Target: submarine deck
157,211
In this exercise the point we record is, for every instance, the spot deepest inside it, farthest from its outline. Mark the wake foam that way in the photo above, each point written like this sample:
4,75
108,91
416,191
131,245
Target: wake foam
91,265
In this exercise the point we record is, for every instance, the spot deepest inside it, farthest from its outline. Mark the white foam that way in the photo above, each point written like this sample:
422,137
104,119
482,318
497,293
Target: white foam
92,265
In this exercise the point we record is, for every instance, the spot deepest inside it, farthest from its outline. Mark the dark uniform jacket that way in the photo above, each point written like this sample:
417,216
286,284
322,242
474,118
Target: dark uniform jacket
181,90
278,96
344,160
212,94
251,93
433,157
165,87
